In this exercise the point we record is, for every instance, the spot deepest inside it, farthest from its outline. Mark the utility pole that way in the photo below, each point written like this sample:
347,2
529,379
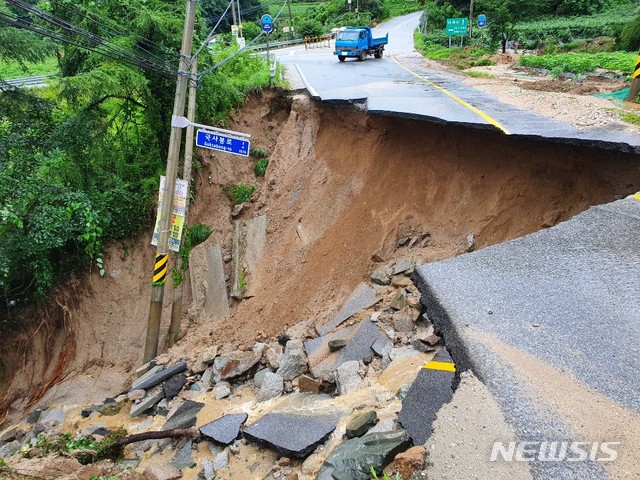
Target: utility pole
290,20
471,19
635,82
176,307
162,257
233,12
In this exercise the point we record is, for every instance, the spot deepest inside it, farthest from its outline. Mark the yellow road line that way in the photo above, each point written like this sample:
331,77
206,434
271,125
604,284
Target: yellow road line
475,110
636,196
442,366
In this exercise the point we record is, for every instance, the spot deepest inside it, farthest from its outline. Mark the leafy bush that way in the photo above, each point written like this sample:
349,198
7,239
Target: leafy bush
569,29
239,193
261,167
630,34
309,27
580,63
258,153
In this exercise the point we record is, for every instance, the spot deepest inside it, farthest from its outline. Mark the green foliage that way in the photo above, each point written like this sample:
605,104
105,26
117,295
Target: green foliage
86,449
309,27
476,74
193,236
630,33
258,153
375,476
81,159
580,63
261,167
460,58
568,29
395,8
629,117
14,69
239,193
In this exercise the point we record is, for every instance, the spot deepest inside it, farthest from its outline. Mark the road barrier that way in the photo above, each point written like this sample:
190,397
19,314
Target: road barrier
321,41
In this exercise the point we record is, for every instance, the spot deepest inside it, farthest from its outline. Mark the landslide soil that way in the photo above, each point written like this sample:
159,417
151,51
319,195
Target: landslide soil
342,189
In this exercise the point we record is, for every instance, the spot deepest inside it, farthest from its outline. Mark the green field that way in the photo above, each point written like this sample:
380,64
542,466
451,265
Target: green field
9,70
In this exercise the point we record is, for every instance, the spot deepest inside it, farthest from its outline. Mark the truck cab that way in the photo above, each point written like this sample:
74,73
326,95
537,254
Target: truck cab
358,42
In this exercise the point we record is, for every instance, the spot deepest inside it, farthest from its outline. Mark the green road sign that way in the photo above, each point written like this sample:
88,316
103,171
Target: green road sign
457,26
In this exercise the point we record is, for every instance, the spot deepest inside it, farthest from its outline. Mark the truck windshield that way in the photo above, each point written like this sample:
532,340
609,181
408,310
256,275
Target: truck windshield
348,35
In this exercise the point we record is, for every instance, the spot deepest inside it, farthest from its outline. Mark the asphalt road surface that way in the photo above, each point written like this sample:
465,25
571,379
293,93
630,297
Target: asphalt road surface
392,85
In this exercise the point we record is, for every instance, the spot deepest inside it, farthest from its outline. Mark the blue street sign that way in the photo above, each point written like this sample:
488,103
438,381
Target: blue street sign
267,23
222,143
482,21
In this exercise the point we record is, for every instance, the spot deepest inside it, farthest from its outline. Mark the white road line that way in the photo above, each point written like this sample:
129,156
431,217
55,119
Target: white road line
312,91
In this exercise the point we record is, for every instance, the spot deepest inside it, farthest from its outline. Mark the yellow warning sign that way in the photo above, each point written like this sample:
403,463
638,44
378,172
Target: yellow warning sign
636,71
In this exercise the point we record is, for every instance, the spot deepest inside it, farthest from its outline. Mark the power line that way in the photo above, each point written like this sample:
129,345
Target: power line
74,35
116,31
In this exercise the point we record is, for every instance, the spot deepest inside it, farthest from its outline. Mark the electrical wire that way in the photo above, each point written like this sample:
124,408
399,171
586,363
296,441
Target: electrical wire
115,32
84,39
206,40
18,22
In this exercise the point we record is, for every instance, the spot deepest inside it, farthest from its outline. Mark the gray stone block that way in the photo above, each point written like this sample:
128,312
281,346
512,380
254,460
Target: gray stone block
363,297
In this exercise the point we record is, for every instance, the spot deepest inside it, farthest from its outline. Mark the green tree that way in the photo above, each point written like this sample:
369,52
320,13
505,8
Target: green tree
630,35
504,15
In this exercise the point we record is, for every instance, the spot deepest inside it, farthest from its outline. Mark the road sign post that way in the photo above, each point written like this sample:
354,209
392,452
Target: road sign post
457,27
482,21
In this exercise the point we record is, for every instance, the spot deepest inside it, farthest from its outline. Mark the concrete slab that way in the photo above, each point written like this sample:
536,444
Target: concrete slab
216,303
549,322
249,242
363,297
291,435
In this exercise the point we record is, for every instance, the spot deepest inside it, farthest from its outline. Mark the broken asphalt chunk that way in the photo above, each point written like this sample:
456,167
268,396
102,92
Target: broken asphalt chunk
363,297
226,429
354,459
184,416
291,435
147,382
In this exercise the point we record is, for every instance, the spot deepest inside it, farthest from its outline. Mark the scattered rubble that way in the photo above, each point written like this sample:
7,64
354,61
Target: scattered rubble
377,325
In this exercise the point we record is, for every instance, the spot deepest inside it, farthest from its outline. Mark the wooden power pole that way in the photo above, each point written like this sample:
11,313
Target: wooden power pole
162,255
290,20
176,307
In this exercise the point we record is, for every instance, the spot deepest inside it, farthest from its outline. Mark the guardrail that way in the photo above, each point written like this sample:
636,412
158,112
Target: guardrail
36,81
287,43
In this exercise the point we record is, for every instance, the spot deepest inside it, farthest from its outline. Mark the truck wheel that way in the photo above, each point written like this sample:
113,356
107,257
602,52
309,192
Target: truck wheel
363,55
341,58
379,53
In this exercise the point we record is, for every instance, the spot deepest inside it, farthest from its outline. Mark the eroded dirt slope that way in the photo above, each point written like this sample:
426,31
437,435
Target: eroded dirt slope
343,191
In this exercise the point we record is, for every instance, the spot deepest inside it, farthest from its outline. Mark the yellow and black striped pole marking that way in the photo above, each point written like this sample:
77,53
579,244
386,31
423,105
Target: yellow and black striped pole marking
441,366
634,89
160,268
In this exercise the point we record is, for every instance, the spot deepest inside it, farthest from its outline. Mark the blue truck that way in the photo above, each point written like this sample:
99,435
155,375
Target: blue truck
359,42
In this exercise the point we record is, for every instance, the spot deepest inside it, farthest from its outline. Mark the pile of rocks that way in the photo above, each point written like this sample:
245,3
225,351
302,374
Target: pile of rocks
381,322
